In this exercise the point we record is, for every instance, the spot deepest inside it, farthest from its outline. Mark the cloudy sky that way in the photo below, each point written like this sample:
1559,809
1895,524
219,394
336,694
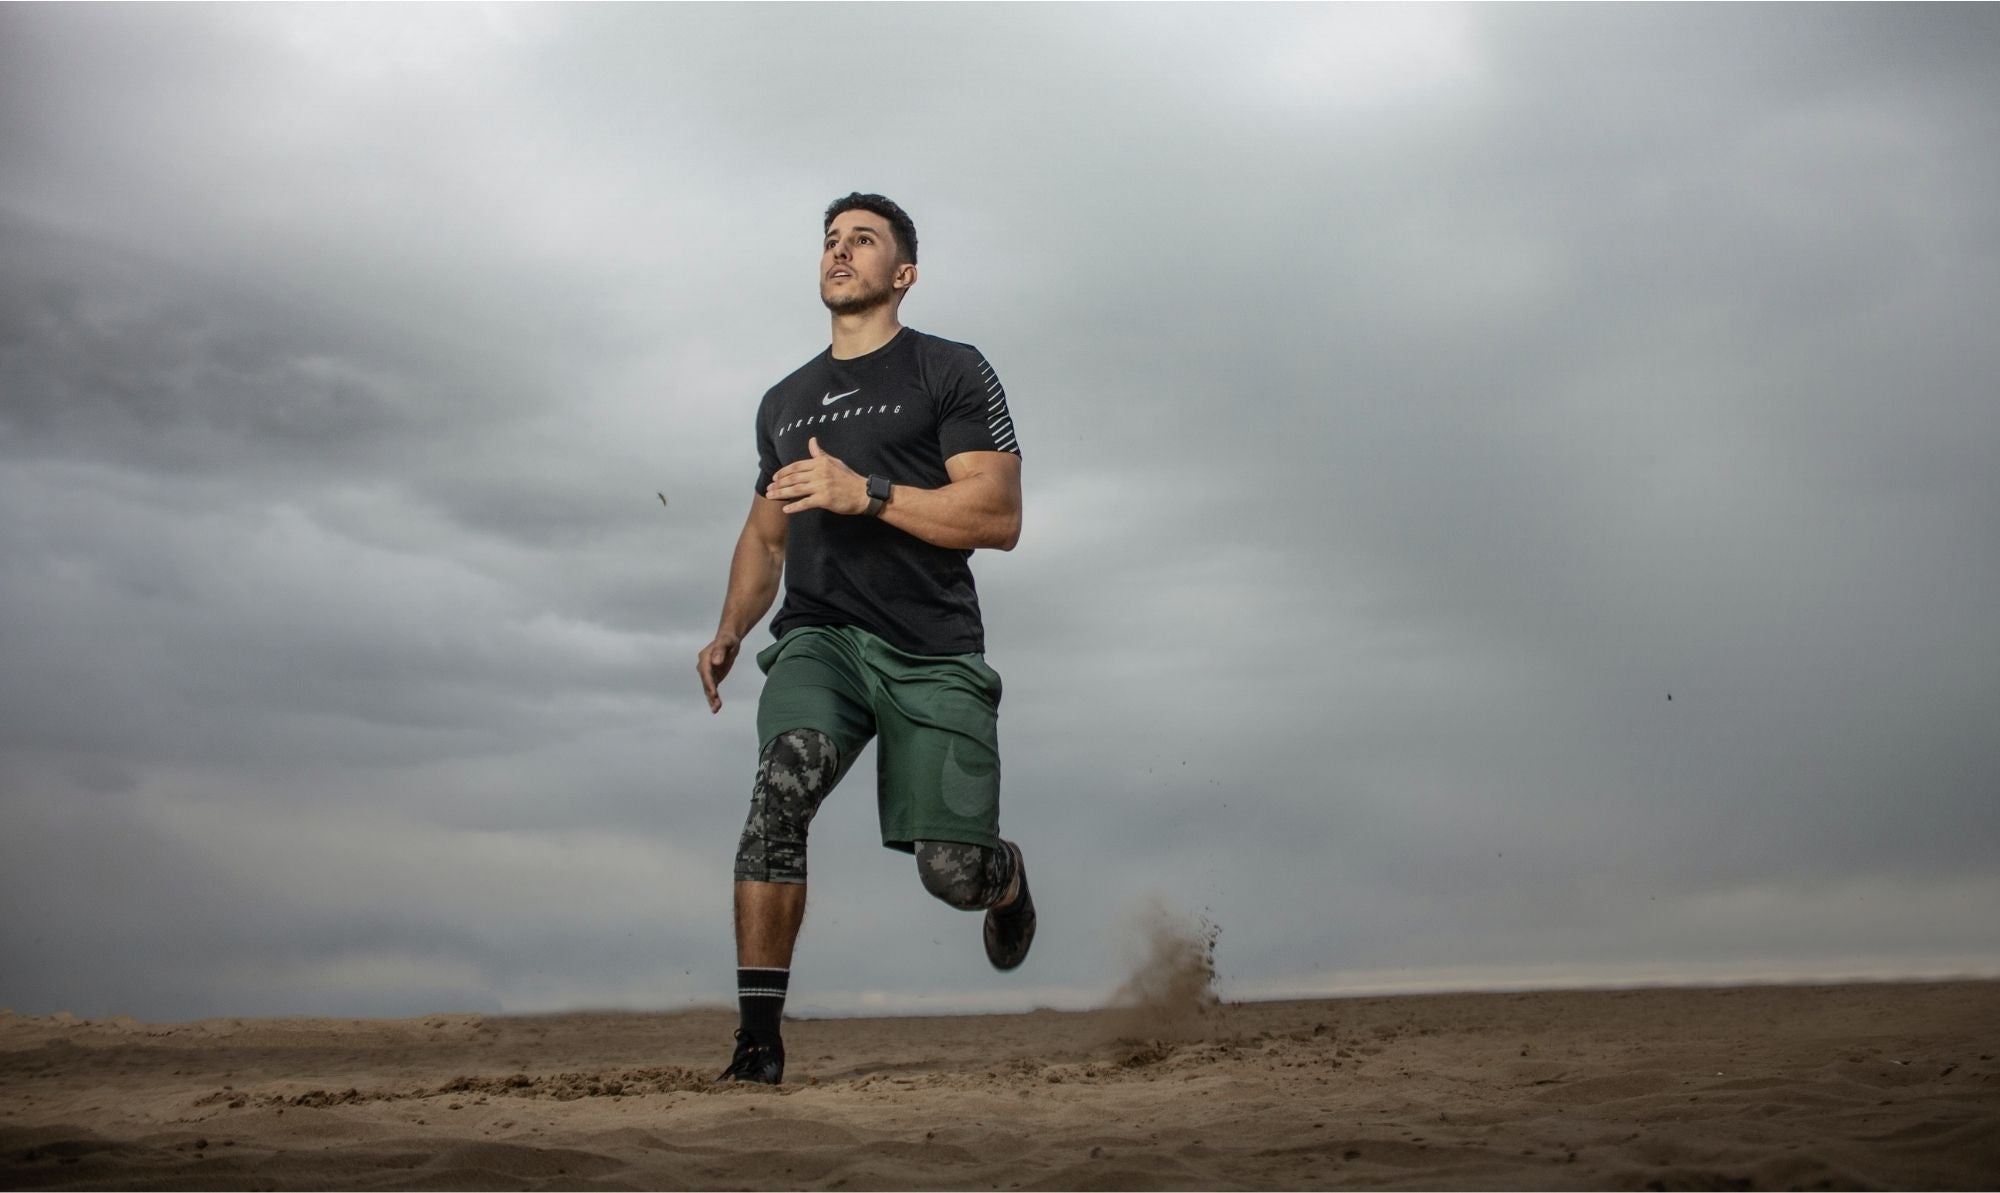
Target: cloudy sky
1412,399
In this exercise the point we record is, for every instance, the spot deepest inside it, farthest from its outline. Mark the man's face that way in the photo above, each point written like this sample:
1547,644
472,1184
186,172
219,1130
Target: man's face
857,264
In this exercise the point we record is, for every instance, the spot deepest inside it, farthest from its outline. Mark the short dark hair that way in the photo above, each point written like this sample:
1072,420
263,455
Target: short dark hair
900,223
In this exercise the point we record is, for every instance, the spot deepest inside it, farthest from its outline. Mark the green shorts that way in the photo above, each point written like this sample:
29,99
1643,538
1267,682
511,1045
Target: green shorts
937,766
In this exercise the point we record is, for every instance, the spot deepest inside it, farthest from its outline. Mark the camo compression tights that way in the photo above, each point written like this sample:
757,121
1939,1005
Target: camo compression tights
794,774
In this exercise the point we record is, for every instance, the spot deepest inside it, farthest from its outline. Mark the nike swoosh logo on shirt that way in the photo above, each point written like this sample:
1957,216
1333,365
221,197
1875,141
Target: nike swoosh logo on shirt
830,399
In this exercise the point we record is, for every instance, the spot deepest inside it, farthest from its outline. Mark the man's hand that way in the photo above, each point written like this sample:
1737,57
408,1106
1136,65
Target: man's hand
819,482
713,663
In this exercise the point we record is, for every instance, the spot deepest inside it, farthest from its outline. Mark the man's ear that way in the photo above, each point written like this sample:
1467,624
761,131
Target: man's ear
905,277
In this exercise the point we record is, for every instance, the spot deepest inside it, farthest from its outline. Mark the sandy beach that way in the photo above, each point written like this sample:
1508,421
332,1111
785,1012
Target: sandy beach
1859,1086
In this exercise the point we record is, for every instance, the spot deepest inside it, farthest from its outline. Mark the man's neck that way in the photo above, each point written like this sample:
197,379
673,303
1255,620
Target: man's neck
862,332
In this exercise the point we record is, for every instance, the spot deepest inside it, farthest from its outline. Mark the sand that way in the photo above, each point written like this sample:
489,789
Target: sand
1860,1086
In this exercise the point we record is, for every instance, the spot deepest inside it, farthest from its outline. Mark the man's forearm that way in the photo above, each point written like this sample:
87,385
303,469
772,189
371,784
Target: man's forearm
965,515
754,572
979,507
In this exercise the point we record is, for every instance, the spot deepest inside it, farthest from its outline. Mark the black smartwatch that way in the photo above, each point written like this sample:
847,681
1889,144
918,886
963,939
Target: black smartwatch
878,495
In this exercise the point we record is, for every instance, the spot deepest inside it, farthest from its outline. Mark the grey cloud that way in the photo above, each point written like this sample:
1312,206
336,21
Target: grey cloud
1412,399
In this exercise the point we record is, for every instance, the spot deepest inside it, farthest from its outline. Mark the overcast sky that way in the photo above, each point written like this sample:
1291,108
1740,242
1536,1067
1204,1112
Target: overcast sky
1411,398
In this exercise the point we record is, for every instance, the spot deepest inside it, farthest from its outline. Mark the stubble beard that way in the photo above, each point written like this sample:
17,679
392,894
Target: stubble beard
858,300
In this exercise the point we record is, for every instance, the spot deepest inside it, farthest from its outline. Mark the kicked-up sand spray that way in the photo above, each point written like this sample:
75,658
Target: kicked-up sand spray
1170,994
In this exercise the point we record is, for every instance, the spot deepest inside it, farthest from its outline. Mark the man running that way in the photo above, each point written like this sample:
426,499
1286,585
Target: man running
883,463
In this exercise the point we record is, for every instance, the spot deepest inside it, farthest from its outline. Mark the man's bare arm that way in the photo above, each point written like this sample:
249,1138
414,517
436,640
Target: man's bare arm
754,571
979,507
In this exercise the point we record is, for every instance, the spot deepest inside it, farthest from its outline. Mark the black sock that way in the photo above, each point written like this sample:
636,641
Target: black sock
760,997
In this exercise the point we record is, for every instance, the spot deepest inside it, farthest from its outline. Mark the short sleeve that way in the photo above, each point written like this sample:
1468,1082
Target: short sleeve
973,414
767,448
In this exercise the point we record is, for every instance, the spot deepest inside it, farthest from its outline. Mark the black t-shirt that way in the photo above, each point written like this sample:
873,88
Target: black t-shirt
899,412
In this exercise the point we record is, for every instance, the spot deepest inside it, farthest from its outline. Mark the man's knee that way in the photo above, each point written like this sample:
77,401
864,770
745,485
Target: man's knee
794,774
968,877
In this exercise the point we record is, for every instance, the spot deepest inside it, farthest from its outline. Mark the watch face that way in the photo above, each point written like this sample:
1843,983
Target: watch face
878,488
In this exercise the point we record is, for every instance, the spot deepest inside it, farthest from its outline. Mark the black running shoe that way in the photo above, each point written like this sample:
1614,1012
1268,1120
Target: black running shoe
1011,929
763,1064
